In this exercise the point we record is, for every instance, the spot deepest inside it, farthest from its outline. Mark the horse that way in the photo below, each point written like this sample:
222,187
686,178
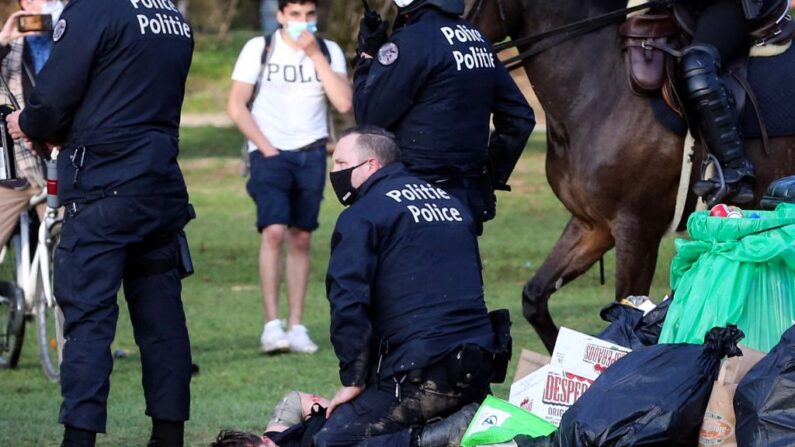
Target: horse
609,160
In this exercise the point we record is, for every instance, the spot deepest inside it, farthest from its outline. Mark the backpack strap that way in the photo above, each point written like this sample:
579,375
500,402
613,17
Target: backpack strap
267,51
324,48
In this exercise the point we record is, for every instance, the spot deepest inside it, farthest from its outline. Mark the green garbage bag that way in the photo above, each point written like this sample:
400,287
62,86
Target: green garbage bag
734,271
498,421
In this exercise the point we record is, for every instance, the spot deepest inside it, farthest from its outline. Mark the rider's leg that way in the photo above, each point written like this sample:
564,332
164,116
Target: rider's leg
720,33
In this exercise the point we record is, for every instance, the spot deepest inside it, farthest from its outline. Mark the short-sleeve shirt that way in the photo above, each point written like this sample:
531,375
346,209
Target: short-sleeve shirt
291,108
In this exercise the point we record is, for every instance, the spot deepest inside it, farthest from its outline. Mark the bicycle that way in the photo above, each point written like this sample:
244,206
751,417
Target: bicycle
26,288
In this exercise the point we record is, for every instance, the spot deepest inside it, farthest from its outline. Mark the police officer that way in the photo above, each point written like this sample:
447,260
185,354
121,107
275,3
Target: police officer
408,320
434,83
111,93
721,33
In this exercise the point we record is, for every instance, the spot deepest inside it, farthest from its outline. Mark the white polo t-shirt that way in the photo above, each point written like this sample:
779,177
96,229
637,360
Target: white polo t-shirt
291,108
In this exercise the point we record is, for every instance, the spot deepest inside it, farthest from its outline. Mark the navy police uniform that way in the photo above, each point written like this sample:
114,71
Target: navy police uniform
406,291
435,84
111,94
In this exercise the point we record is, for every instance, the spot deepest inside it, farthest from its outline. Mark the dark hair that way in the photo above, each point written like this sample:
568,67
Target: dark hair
375,142
283,3
233,438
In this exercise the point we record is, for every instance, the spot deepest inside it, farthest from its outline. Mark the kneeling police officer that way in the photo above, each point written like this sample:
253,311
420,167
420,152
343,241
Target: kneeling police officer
111,95
435,83
409,323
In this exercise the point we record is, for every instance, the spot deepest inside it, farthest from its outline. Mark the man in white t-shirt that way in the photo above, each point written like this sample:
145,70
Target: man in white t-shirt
286,128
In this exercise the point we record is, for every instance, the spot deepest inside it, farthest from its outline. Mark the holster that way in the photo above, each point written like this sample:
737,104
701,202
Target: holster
185,261
501,323
642,36
486,189
469,365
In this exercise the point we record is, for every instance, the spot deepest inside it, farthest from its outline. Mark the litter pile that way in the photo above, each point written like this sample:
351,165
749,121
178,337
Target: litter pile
714,365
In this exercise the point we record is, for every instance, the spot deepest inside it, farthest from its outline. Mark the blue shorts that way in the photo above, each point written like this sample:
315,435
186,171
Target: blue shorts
288,188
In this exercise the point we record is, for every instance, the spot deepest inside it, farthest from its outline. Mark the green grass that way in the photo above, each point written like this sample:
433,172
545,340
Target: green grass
237,385
210,75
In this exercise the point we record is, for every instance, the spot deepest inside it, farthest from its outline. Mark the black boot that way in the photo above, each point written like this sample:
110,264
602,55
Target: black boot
75,437
449,431
711,103
167,434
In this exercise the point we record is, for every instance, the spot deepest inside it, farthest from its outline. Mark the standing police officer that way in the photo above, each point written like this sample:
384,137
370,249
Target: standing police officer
435,83
409,323
111,93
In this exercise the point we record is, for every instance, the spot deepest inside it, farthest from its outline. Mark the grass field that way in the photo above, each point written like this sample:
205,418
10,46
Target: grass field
237,386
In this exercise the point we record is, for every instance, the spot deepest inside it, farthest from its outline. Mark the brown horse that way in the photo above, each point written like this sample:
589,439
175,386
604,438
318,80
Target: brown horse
609,160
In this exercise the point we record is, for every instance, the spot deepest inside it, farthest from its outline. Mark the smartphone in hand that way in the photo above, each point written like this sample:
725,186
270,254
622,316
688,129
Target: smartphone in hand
35,23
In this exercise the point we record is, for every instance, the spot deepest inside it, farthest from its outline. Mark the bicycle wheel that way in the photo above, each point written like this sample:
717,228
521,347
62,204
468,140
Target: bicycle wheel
12,308
49,328
49,318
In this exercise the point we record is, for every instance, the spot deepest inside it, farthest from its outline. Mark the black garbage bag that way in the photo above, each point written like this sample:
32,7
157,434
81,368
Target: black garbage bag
630,328
653,396
765,399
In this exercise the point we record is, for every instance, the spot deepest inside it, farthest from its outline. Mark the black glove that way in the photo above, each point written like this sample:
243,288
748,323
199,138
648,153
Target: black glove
372,33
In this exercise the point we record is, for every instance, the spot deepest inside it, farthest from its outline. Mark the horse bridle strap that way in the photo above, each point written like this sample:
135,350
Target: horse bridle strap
565,32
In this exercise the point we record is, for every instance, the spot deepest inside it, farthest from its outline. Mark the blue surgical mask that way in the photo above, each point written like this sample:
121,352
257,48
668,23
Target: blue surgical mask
294,29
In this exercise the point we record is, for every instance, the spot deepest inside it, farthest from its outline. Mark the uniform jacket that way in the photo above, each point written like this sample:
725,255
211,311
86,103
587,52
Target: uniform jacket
404,275
435,85
114,83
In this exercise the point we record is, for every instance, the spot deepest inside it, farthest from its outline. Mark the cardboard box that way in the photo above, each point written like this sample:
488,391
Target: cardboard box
529,362
548,392
584,355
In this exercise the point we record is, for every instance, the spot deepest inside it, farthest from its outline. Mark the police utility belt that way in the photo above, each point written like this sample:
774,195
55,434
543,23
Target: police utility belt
184,261
467,365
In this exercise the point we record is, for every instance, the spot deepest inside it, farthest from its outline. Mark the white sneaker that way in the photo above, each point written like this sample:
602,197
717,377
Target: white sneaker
299,340
273,338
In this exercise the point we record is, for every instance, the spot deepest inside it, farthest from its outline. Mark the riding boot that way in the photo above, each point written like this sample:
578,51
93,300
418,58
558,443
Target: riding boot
449,431
712,105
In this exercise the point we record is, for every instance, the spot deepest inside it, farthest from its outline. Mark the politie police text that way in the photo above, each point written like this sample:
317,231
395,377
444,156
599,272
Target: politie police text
161,23
476,56
427,212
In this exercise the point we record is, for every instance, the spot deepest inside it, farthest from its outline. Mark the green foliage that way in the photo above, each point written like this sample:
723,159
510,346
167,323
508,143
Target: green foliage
210,76
237,386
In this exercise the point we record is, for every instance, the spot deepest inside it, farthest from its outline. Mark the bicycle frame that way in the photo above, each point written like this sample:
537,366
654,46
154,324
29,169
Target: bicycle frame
31,271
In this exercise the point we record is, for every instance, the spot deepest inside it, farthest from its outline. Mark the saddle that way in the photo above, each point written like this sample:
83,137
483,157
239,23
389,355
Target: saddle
653,38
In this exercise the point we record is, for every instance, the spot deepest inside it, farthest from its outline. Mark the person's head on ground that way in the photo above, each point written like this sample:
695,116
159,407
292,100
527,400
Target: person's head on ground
234,438
360,152
295,16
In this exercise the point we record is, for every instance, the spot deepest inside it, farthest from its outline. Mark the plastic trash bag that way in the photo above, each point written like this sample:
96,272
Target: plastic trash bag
498,421
734,271
654,396
764,402
630,328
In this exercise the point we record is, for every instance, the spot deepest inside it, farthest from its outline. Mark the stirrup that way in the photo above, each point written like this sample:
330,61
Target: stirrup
711,190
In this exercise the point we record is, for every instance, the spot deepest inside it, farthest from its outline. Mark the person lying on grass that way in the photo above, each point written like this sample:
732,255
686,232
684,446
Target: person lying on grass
298,416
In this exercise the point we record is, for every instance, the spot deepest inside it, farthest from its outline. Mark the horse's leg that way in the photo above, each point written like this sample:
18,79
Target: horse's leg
578,248
637,245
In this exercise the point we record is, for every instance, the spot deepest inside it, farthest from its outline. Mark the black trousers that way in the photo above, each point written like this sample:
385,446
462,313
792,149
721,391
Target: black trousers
377,418
723,25
104,246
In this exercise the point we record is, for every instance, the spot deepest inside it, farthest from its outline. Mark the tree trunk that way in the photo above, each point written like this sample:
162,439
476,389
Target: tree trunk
226,23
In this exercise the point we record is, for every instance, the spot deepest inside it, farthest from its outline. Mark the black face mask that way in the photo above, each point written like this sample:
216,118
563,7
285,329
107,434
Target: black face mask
341,183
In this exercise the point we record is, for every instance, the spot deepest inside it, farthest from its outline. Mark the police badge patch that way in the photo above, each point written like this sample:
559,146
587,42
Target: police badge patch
388,53
59,30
